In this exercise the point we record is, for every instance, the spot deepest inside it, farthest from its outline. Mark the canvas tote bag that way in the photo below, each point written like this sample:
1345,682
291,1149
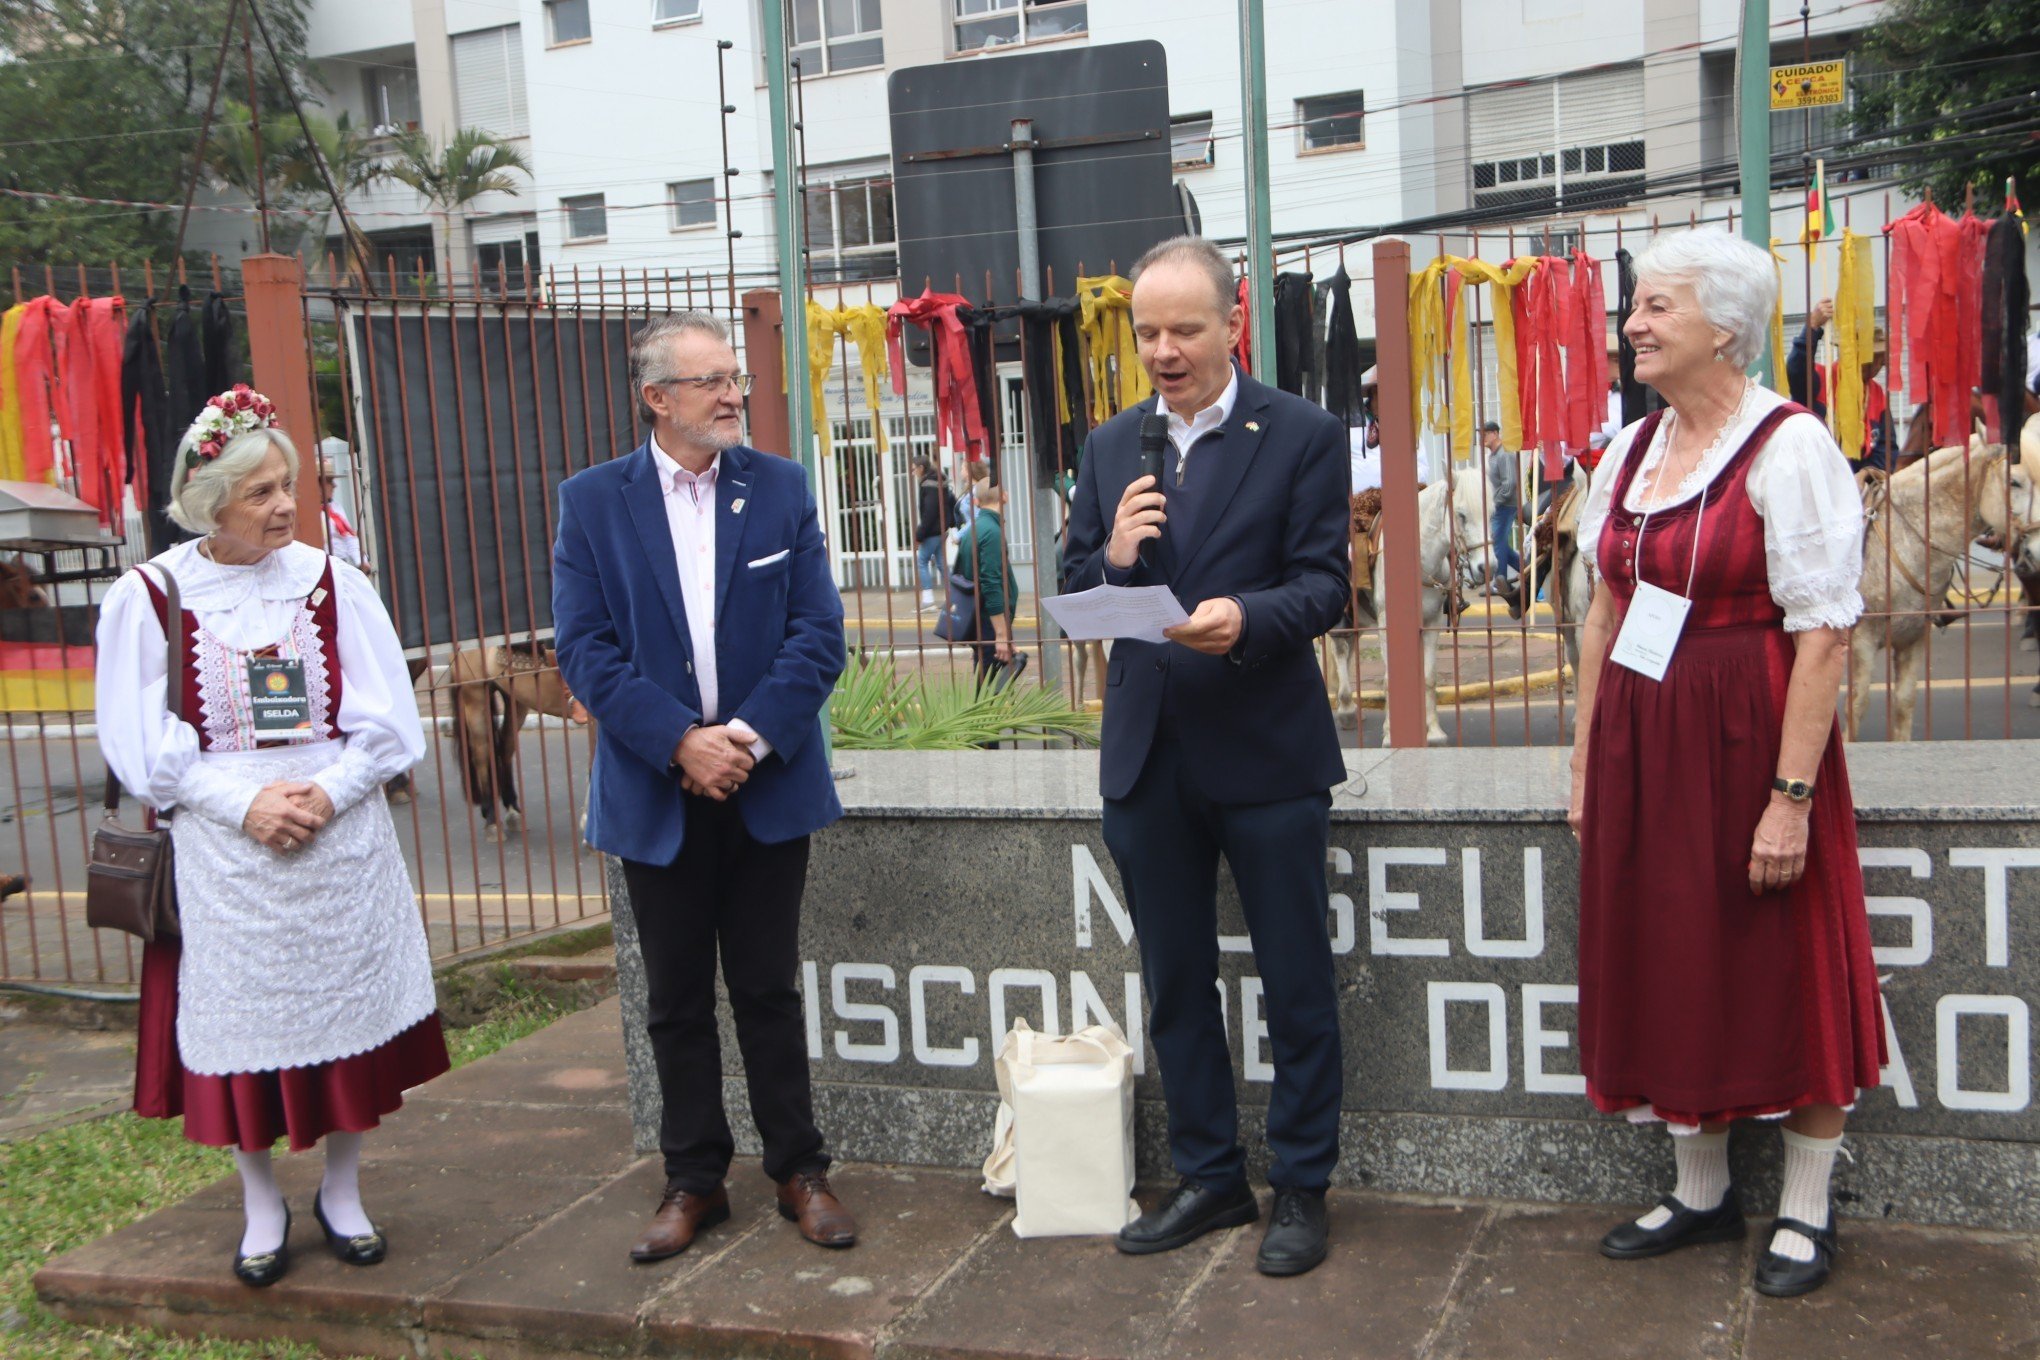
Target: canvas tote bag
1063,1146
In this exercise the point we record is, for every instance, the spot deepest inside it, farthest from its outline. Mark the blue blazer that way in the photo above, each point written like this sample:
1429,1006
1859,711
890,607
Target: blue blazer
621,632
1271,531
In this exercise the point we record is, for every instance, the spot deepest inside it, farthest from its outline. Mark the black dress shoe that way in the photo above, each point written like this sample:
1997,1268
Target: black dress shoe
1781,1277
1189,1213
265,1268
1296,1234
363,1249
1687,1228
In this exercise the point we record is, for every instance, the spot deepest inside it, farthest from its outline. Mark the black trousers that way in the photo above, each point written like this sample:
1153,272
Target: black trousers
736,897
1166,837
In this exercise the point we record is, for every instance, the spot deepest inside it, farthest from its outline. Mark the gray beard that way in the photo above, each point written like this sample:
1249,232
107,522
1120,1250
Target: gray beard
708,434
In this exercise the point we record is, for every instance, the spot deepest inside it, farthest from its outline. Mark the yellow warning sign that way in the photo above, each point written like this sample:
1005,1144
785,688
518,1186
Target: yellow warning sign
1807,87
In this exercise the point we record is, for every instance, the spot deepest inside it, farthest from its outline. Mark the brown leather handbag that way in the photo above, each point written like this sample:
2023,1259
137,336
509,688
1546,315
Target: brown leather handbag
131,884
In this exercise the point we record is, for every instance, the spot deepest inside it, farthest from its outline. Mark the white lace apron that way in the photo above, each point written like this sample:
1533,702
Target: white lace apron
291,958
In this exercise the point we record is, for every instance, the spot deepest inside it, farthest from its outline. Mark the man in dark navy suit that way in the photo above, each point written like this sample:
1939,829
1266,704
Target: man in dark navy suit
1221,741
697,621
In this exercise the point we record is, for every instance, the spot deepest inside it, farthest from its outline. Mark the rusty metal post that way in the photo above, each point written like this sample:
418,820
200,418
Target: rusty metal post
762,322
275,292
1402,564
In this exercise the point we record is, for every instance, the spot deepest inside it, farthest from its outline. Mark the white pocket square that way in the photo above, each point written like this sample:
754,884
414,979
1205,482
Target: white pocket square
768,561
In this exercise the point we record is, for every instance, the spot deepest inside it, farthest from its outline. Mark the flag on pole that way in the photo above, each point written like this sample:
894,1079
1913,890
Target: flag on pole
1820,214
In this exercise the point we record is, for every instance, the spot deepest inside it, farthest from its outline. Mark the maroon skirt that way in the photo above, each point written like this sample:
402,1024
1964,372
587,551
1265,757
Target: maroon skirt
1699,998
251,1110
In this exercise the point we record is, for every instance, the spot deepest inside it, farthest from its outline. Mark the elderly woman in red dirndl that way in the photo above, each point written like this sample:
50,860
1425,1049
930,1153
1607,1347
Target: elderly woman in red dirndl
1724,957
299,1002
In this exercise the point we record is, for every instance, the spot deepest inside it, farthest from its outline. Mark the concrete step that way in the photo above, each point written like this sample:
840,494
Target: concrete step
597,965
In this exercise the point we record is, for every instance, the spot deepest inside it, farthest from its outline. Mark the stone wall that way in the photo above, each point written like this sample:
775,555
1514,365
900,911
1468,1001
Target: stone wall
963,890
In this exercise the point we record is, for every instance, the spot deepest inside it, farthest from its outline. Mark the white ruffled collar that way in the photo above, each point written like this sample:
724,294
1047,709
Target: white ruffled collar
289,573
1757,402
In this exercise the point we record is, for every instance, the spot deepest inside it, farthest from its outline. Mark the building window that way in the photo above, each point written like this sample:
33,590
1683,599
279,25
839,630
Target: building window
1587,167
850,232
674,11
692,203
834,35
566,21
1190,142
587,217
507,265
1333,121
488,81
985,24
391,95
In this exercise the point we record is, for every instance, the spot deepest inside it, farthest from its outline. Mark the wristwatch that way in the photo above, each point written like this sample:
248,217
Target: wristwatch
1798,790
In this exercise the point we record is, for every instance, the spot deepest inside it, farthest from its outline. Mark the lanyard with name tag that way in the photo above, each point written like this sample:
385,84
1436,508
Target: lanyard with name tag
1656,617
277,698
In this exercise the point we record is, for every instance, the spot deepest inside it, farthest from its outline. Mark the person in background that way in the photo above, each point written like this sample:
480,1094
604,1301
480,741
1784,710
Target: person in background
934,517
1880,447
1505,500
985,562
341,539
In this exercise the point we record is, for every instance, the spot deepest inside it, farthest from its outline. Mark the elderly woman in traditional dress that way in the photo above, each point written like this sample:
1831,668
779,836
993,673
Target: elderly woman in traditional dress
1725,968
300,1003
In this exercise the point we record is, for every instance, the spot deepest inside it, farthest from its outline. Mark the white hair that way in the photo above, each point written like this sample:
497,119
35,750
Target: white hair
202,490
1734,281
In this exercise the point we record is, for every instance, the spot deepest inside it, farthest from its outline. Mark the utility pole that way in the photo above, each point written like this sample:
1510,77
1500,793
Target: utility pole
1753,118
1260,232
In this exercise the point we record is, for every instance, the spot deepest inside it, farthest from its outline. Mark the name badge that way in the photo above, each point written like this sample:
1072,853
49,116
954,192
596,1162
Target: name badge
276,695
1650,630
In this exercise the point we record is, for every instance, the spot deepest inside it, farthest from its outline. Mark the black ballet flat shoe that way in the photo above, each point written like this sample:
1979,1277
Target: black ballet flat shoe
265,1268
1781,1277
1687,1228
364,1249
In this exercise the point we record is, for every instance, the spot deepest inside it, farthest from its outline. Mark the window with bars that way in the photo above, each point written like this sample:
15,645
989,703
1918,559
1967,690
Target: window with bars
827,36
981,25
507,265
691,203
850,231
674,12
488,81
1585,163
587,217
1190,142
1333,122
566,21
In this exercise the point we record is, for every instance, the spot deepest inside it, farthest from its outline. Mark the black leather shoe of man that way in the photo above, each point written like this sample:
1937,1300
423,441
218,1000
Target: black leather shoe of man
1189,1213
1687,1228
1781,1277
1296,1234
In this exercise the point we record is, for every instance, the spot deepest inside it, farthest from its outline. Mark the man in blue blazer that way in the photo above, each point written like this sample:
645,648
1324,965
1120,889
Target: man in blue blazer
696,619
1221,742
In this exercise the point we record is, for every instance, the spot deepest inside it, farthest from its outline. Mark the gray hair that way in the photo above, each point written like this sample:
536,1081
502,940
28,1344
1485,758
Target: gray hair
1734,281
651,358
202,490
1200,253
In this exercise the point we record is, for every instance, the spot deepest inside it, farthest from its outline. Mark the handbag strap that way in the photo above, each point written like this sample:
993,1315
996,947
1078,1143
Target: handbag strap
173,665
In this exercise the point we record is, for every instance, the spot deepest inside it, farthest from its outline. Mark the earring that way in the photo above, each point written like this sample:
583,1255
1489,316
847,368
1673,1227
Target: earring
1719,357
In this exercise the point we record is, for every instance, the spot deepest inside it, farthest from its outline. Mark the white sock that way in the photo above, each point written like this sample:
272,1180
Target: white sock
340,1190
261,1202
1703,1175
1808,1164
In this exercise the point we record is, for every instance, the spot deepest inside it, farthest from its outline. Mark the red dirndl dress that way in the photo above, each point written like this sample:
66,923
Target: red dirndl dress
1699,999
251,1110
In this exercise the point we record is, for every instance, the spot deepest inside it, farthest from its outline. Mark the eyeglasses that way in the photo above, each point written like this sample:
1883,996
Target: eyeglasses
712,382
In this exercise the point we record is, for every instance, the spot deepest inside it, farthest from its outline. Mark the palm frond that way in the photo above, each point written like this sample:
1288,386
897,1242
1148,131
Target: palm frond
874,708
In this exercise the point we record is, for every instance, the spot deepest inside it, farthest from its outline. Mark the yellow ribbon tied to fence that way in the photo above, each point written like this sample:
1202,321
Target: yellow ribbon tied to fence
12,446
1105,317
1779,382
864,326
1432,332
1856,333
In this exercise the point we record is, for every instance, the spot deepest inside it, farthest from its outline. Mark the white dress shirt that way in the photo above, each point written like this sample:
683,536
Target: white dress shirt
690,515
1184,433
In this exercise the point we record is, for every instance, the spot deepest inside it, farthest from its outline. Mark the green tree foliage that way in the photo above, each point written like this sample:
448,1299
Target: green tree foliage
1961,101
450,175
103,98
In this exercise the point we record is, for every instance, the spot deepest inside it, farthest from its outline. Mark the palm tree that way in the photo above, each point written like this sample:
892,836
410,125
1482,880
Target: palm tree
230,159
472,163
355,160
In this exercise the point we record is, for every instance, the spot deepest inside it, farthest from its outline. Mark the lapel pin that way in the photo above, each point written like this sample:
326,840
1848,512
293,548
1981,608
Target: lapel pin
737,506
1253,427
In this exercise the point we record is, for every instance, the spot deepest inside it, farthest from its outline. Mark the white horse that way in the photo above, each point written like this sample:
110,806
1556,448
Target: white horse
1922,521
1452,518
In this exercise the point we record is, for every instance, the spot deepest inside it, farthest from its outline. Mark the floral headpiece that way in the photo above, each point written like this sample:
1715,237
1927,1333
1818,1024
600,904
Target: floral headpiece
224,419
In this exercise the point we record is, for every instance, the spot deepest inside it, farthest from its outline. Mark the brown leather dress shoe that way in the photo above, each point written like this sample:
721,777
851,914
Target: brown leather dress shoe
805,1198
681,1215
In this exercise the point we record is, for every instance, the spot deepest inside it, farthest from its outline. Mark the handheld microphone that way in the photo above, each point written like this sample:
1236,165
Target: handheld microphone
1154,437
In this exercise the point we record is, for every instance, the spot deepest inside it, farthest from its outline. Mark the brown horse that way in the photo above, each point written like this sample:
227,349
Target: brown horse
494,690
18,589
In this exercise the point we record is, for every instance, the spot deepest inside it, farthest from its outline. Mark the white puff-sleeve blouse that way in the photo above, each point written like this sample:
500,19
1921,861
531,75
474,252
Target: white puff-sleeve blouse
1800,485
157,758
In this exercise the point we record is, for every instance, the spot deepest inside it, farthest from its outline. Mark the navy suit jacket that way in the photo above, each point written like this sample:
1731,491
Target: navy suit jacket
624,647
1270,530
